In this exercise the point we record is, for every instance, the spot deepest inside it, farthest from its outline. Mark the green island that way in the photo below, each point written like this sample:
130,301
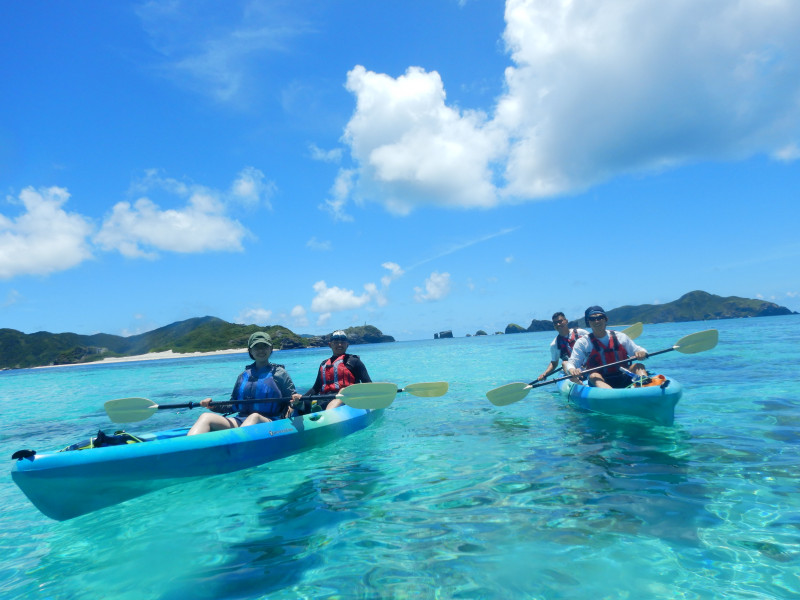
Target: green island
209,334
201,334
694,306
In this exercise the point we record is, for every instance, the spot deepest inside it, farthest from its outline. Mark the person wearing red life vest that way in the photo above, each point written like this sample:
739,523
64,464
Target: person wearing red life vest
561,346
602,347
335,373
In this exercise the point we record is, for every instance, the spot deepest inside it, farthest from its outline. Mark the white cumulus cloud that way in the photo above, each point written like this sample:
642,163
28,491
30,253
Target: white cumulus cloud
395,271
335,299
142,228
603,89
137,230
593,91
254,316
339,195
413,148
437,286
251,188
45,238
299,316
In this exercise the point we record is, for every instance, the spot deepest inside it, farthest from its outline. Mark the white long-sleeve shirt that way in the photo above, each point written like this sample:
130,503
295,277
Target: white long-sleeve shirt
583,348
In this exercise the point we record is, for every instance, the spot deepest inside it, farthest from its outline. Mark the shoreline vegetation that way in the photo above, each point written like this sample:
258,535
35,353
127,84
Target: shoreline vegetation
209,336
184,338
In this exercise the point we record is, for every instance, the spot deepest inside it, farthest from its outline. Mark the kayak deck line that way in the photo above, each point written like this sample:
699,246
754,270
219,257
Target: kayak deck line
68,484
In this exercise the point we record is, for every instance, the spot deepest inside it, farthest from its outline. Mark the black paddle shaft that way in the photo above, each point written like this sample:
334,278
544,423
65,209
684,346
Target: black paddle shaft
191,405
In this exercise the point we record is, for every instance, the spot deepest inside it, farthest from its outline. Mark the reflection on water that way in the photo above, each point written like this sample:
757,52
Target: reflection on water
297,527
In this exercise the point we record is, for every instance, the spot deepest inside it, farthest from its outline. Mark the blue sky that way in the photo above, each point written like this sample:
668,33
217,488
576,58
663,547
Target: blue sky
417,165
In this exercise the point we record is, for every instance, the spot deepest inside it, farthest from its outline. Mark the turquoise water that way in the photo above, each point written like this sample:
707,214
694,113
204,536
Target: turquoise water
445,497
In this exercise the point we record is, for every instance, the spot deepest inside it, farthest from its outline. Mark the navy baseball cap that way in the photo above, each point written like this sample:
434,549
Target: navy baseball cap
593,310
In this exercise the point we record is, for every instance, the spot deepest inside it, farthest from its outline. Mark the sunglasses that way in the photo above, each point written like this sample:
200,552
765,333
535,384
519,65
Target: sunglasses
338,338
598,318
559,322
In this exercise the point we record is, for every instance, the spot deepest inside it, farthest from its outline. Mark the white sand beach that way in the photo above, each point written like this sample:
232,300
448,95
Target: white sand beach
150,356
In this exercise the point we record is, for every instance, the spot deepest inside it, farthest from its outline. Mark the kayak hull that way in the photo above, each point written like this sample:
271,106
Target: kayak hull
64,485
654,403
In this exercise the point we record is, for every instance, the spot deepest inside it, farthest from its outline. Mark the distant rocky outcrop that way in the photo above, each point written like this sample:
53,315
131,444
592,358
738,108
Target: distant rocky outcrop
514,328
540,325
480,332
363,334
536,325
443,334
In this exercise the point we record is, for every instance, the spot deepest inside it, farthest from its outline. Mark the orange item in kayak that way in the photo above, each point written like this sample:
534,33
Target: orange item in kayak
654,380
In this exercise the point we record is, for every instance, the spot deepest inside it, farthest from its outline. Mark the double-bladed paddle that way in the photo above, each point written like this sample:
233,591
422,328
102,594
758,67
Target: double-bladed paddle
360,395
690,344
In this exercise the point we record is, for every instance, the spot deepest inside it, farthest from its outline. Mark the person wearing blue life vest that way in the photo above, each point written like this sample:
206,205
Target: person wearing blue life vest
602,347
561,346
334,374
259,380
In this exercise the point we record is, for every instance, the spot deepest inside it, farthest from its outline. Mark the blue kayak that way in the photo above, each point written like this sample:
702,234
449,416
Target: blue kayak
655,403
67,484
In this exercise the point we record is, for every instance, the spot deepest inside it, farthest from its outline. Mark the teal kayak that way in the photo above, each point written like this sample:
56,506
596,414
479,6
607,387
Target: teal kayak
67,484
655,403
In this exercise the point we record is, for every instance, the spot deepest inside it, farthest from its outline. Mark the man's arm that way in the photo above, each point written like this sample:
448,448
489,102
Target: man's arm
285,383
578,356
359,370
632,348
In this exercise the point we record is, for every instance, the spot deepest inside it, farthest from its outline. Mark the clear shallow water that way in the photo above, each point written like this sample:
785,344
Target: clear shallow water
443,497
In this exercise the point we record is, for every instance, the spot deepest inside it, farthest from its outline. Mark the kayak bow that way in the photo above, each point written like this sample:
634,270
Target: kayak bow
655,403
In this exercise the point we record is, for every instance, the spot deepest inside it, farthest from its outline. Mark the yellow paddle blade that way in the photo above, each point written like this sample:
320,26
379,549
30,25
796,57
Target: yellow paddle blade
634,330
697,342
130,410
508,394
428,389
368,395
